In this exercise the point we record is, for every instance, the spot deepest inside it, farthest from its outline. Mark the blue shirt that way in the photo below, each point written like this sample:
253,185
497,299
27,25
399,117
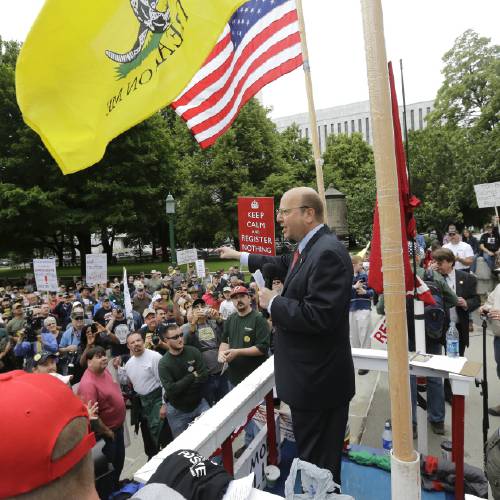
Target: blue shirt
70,337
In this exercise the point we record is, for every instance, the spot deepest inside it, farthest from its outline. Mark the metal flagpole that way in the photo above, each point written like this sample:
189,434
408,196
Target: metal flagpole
405,463
312,110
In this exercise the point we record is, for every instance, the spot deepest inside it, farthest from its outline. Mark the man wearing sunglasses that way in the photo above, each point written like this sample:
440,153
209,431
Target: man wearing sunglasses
182,373
313,363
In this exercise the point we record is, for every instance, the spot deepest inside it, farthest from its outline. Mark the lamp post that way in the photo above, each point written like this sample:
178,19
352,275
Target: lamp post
170,208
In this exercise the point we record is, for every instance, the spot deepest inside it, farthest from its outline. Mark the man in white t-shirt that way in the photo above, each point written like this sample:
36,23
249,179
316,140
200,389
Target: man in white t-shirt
464,255
226,307
141,370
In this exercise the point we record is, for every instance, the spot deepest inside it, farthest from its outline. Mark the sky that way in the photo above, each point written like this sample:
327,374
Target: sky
418,32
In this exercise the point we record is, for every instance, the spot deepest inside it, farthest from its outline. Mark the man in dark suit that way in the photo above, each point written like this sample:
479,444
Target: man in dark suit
465,287
313,363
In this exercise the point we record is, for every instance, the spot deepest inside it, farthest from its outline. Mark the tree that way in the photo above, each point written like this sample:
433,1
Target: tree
349,166
238,164
459,148
43,209
470,93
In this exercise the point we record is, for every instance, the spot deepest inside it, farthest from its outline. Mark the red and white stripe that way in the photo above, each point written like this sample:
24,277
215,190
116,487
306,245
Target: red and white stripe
228,79
423,293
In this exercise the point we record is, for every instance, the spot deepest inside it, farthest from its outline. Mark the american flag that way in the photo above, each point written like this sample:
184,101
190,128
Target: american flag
260,43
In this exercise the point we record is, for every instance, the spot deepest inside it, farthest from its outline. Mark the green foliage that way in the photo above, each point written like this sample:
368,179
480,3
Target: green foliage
349,167
459,148
469,95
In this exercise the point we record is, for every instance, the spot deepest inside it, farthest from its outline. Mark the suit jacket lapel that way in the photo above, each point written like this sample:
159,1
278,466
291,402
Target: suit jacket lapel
302,257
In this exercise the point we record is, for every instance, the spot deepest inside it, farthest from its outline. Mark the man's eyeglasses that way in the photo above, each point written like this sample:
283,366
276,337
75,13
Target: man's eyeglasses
286,211
175,337
79,318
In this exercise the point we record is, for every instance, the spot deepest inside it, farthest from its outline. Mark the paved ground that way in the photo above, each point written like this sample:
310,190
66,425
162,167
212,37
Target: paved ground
371,407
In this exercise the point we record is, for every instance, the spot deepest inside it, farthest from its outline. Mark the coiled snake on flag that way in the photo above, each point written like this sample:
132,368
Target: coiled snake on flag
150,20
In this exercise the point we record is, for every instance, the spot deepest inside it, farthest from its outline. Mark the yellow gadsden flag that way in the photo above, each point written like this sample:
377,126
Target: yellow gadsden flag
91,69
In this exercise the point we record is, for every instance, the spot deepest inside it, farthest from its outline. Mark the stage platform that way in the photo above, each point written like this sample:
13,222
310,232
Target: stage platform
360,481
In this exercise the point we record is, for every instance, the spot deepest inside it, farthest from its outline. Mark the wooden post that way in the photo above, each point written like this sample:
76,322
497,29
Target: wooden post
313,124
390,229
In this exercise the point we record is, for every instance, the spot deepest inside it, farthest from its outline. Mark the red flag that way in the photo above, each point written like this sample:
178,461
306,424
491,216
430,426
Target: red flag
407,204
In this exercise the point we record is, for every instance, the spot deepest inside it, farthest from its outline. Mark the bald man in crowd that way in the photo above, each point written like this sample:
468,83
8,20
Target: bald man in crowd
313,362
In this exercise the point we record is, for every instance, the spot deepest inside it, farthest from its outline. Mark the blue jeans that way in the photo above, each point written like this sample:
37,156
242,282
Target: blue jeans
251,429
114,451
496,348
490,260
435,391
179,420
215,388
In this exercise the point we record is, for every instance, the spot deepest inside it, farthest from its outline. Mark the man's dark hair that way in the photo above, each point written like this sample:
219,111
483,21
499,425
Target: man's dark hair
95,351
133,333
443,254
311,199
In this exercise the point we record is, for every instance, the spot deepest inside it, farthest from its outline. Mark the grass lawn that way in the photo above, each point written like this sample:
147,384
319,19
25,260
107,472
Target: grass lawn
117,269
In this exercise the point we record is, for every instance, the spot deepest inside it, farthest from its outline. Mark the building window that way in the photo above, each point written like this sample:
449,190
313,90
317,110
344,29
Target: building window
359,126
326,133
332,129
412,119
352,127
346,129
420,119
307,133
339,128
427,111
367,128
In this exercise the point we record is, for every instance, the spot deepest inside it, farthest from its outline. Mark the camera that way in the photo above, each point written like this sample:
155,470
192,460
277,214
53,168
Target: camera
155,339
33,326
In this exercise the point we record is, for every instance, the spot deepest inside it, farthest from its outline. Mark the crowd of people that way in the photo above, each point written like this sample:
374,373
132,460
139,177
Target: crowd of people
184,342
183,345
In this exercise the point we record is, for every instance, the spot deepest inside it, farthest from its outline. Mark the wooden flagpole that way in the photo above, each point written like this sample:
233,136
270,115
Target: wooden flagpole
313,124
406,472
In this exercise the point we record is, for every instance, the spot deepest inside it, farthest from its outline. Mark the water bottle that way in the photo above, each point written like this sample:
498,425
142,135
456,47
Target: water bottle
387,437
452,341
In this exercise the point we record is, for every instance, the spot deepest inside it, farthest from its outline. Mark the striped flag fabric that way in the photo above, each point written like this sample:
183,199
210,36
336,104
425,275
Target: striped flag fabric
260,43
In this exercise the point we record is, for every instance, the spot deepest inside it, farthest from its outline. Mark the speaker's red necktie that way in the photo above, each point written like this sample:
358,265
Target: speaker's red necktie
296,255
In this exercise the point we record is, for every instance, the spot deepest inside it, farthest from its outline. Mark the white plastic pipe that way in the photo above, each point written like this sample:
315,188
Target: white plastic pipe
422,441
405,479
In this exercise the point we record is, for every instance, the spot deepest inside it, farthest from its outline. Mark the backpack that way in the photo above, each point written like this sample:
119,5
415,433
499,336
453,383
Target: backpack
493,463
435,315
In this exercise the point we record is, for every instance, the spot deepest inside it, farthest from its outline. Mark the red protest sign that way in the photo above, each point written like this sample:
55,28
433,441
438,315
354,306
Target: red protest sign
256,225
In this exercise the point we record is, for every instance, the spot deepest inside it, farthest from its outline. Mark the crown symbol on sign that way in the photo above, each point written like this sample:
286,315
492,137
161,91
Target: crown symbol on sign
255,204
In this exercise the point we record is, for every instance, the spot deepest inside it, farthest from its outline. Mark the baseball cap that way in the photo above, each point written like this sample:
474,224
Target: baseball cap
41,357
147,312
140,287
77,314
227,289
42,407
198,301
239,289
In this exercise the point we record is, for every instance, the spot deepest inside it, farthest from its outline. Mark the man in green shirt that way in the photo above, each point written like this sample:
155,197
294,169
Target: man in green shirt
244,346
182,374
18,321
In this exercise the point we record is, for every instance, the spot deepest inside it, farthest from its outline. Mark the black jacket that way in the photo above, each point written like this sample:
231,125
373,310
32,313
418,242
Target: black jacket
466,287
312,353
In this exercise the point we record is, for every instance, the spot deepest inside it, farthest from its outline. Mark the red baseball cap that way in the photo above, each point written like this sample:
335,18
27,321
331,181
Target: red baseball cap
239,289
34,409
